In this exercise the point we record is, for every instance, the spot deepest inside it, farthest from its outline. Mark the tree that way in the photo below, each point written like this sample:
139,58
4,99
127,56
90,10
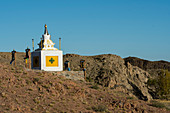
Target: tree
163,83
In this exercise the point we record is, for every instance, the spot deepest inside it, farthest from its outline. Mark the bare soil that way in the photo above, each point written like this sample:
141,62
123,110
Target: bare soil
23,90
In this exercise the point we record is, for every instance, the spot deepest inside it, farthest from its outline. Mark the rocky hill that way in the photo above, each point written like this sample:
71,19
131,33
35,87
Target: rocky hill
23,90
107,70
111,71
148,65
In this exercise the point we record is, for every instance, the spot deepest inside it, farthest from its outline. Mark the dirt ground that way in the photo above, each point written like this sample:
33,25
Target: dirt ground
23,90
27,91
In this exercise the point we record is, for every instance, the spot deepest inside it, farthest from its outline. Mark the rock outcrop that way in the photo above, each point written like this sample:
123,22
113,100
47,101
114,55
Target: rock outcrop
111,71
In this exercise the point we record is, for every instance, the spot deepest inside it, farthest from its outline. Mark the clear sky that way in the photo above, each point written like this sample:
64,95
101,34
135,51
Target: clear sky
139,28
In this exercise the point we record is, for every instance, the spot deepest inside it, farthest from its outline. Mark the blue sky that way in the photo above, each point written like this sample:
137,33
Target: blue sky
139,28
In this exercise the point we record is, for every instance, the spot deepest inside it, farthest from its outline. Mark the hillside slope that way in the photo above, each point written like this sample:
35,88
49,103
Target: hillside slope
107,70
23,90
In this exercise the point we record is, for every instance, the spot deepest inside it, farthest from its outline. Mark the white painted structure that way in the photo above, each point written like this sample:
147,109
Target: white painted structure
47,57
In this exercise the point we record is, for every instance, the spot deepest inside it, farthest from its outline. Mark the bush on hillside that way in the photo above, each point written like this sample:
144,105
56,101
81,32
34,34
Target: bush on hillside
161,83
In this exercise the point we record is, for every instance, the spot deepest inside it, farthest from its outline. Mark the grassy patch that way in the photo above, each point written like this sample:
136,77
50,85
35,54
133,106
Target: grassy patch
157,104
89,79
95,86
129,98
36,100
51,105
19,71
36,79
16,76
28,82
99,108
45,86
24,73
30,89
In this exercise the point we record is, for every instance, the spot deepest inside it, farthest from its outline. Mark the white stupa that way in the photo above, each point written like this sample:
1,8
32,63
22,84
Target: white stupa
47,57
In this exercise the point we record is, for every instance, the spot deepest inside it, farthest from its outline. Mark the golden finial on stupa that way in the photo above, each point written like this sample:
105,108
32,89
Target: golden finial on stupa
45,25
46,31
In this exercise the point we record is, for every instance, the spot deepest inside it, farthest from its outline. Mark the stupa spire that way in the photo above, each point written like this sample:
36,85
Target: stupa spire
46,31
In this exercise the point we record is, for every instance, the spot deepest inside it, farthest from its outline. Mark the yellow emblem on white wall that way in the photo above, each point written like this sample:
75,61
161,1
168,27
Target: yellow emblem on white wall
51,61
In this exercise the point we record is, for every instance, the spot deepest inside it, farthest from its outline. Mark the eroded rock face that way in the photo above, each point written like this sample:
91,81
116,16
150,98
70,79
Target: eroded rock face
154,68
111,71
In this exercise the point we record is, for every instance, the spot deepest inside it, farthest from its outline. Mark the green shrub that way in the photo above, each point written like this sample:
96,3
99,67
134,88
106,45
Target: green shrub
164,83
152,82
161,83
